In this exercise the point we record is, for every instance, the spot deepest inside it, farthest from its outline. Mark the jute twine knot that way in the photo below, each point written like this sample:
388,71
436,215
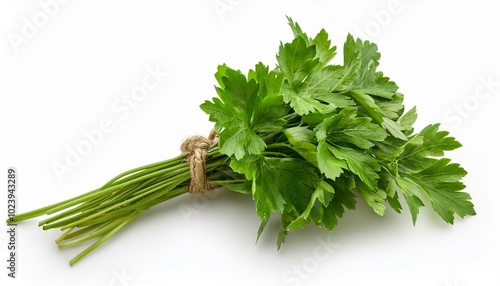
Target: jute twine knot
195,149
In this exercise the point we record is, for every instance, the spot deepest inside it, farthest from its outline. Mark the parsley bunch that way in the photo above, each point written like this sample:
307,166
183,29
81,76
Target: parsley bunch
307,133
303,139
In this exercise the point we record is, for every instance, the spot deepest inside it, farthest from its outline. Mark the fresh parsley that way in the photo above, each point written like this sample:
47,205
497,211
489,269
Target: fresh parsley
304,139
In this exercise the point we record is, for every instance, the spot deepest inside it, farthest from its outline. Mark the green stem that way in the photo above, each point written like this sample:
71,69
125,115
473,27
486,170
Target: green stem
58,220
103,239
71,232
151,167
93,194
101,213
146,192
227,182
102,230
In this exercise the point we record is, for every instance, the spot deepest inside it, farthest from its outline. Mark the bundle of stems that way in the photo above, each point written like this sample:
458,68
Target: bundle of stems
101,213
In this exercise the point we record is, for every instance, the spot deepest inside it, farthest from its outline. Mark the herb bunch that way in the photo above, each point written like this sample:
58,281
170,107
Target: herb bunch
304,139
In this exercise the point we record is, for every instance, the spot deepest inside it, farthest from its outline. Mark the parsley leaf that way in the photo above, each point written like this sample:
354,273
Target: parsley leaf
439,182
241,112
308,133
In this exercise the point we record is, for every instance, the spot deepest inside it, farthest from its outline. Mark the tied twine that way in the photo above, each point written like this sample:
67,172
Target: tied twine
195,149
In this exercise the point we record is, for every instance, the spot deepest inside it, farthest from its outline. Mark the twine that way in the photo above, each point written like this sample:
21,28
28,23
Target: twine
195,149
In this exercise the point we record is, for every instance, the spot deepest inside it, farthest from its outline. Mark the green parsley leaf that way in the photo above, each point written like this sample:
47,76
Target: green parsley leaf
296,61
241,112
440,183
345,129
320,199
282,184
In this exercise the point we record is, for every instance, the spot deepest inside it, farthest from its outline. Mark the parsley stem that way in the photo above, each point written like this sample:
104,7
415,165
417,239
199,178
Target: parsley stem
101,213
95,194
73,222
102,230
227,182
154,166
103,239
274,154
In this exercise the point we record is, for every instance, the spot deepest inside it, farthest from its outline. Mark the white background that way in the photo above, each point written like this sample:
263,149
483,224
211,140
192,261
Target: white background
68,72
